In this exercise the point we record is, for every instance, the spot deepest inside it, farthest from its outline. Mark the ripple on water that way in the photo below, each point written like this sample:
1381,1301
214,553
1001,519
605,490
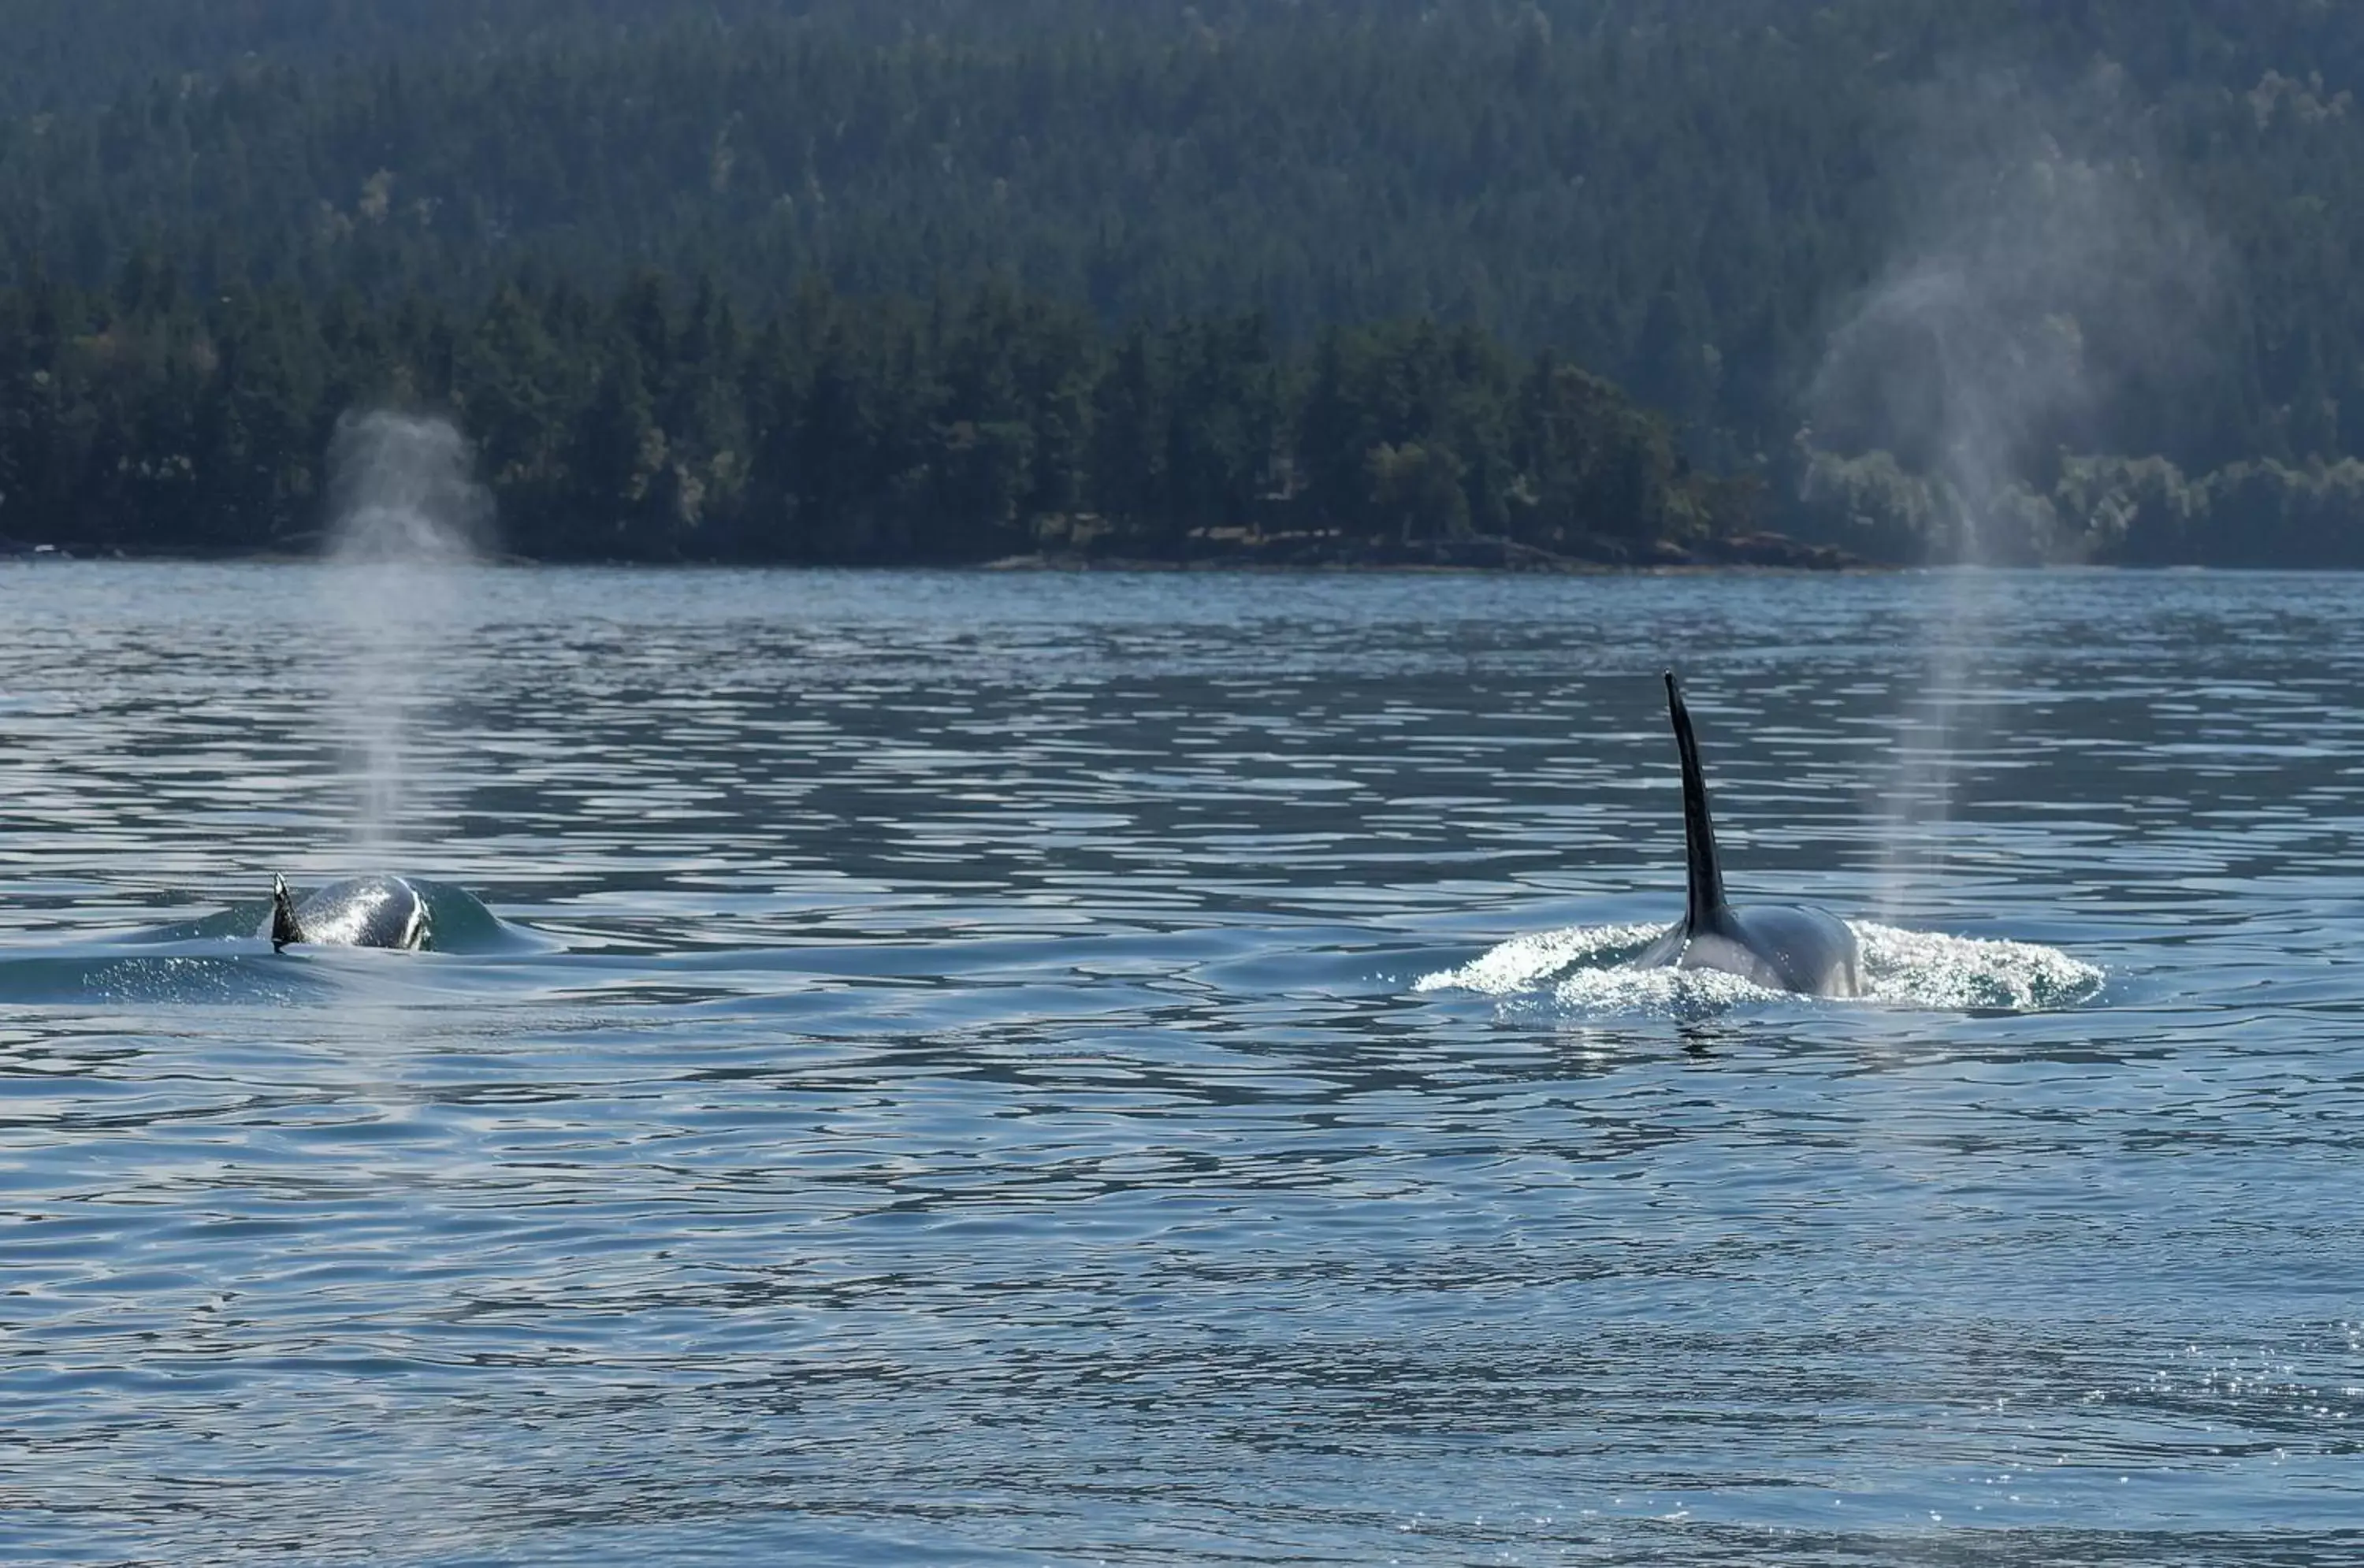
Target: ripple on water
1585,969
970,1106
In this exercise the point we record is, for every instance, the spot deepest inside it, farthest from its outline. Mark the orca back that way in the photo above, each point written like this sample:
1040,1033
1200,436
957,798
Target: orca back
1783,947
362,912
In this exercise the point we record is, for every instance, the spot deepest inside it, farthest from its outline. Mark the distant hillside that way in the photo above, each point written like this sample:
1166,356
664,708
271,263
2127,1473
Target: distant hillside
1975,234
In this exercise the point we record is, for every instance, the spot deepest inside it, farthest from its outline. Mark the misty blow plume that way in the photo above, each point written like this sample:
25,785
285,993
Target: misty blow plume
2042,267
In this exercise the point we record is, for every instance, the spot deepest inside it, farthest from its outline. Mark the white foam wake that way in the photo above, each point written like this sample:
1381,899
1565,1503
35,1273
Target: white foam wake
1583,969
1925,969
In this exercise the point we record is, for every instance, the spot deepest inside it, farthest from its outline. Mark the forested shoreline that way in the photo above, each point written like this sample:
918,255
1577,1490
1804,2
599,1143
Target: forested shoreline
656,425
941,280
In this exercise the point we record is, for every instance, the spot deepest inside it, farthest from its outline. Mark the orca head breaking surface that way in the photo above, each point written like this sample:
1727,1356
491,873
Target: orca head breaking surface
360,912
1783,947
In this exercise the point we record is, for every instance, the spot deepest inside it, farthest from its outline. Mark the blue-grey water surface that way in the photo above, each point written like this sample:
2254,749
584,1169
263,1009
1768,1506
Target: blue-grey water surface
1027,1069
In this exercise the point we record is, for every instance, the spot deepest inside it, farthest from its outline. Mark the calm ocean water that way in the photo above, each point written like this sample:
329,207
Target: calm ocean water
1061,1070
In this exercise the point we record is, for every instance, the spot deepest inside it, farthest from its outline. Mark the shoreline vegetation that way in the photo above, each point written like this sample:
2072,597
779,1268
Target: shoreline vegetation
961,429
981,426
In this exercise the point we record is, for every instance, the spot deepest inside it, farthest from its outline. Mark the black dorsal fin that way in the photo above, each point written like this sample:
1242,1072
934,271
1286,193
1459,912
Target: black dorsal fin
1698,831
283,928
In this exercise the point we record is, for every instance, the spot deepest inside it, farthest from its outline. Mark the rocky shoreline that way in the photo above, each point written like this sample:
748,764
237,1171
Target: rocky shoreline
1238,549
1222,550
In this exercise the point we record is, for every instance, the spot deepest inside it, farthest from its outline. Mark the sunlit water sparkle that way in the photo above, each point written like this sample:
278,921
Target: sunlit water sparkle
966,1073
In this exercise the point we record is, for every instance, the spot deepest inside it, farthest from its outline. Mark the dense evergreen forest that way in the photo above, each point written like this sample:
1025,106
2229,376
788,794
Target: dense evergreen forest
654,426
1917,278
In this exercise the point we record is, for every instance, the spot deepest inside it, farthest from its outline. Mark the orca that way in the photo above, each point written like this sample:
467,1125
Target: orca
1783,947
362,912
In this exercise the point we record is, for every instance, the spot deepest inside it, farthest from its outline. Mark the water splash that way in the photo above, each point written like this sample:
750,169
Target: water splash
1925,969
1583,970
1524,963
408,522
